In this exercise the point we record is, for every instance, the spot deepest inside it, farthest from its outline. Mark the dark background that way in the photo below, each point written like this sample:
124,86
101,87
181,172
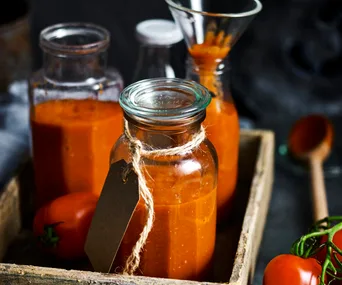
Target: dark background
287,62
119,17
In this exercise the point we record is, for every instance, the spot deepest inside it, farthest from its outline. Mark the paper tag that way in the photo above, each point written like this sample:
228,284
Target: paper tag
114,210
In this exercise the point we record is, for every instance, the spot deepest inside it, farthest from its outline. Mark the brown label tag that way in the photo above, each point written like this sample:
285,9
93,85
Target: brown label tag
119,197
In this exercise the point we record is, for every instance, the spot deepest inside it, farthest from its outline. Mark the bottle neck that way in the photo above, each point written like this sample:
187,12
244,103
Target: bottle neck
156,54
75,68
218,68
215,77
162,136
153,62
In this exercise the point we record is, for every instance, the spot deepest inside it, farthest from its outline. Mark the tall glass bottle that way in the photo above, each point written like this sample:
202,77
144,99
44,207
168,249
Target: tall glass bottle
223,128
74,111
162,114
156,37
209,36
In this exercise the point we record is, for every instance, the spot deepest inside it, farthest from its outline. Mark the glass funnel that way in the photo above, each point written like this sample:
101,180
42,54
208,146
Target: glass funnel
209,34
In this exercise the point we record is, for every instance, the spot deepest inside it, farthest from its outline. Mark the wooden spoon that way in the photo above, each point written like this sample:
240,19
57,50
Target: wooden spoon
310,140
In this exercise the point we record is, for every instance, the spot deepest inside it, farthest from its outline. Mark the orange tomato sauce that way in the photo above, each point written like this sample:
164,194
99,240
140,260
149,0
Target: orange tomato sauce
207,56
71,141
222,121
181,243
223,130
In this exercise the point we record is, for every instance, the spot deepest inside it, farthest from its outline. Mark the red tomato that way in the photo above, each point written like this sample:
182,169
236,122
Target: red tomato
287,269
62,225
337,240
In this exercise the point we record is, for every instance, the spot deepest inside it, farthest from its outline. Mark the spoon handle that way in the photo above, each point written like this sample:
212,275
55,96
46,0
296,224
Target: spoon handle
319,196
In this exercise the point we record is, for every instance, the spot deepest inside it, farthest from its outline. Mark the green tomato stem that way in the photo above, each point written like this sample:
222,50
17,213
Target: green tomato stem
50,237
309,245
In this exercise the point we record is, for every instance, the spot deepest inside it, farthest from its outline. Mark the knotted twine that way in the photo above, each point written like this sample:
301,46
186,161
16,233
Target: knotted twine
138,150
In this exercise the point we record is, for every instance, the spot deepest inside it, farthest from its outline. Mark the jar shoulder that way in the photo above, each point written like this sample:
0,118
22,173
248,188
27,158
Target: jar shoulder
106,88
202,159
112,77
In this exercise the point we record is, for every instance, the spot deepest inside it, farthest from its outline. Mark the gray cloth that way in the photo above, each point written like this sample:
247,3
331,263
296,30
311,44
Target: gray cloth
14,134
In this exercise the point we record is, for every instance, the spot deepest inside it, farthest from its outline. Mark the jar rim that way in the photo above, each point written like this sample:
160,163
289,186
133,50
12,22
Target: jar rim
164,99
60,38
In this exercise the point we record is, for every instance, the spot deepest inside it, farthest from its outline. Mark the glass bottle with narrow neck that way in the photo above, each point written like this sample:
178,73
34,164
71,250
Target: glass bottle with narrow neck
73,107
156,38
209,33
215,78
222,124
163,114
153,62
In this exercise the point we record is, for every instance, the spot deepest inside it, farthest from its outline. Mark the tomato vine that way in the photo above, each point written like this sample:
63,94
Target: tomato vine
311,243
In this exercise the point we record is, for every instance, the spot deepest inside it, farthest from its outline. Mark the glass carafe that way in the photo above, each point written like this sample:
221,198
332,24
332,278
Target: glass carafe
223,129
163,114
74,111
209,35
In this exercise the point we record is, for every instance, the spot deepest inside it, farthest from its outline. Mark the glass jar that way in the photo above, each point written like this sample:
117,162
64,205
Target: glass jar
222,125
74,111
164,113
156,38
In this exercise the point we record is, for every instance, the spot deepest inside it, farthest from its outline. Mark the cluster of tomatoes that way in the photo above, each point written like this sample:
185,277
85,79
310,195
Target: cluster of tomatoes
289,269
61,226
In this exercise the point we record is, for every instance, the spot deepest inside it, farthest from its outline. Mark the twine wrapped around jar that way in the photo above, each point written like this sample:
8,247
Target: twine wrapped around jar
138,150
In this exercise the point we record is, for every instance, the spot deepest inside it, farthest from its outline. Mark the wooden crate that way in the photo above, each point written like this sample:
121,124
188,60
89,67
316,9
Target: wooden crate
237,244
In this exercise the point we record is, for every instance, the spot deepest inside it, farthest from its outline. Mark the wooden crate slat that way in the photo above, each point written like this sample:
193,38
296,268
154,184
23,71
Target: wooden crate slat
23,274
